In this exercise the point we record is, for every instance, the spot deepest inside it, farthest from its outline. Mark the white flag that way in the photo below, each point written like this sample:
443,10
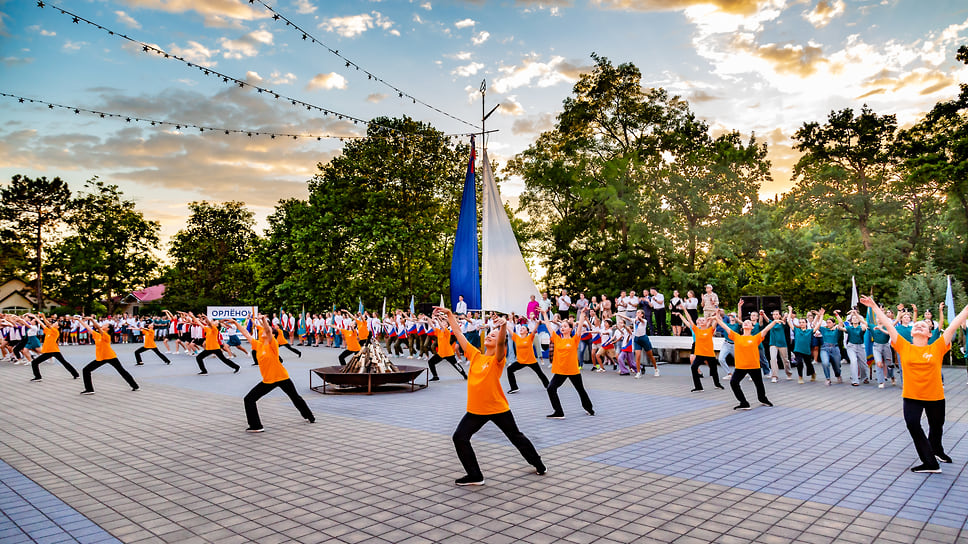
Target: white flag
854,299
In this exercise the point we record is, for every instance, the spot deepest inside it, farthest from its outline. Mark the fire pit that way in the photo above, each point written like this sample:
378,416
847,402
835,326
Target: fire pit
369,371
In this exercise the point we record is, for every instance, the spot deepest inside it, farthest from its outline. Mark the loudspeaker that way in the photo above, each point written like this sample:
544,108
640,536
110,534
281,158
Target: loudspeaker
766,303
424,308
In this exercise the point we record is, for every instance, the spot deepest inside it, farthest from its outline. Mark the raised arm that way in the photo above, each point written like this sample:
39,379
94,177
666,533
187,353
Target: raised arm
882,318
581,322
454,327
766,329
241,329
502,338
686,318
816,324
955,324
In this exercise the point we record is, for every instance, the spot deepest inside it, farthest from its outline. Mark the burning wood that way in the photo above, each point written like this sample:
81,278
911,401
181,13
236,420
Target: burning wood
369,360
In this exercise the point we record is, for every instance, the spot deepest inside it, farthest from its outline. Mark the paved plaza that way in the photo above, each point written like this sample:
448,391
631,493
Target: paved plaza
171,463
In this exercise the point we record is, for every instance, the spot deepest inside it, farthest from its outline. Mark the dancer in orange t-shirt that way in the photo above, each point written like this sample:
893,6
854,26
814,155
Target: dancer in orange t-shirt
564,366
747,360
50,349
486,400
150,345
445,351
273,375
103,355
923,391
703,350
524,348
213,346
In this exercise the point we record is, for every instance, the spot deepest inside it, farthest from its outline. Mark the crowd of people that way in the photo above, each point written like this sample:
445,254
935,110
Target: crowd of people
572,336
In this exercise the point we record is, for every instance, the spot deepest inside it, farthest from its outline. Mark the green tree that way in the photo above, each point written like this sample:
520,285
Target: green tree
13,254
210,257
110,250
35,208
379,222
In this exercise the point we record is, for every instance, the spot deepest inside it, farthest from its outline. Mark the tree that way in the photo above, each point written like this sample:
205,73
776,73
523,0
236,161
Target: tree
110,250
34,207
13,254
210,257
379,222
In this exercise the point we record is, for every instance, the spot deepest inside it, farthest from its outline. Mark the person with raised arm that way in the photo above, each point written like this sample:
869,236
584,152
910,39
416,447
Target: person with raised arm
103,355
802,338
212,345
855,329
50,349
348,330
445,351
829,346
703,350
273,375
486,400
564,366
149,344
523,339
747,360
923,391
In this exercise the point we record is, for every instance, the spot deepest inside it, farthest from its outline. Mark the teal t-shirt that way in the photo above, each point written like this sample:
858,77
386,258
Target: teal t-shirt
880,337
855,335
905,331
830,336
778,336
801,340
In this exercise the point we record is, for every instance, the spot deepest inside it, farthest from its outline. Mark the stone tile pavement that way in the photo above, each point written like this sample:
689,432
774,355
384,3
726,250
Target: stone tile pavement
172,463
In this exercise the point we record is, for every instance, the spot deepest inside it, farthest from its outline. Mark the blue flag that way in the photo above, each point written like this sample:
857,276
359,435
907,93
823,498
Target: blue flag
361,306
465,273
411,304
949,301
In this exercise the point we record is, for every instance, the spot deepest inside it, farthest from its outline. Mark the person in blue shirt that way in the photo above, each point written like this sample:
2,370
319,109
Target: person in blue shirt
829,345
802,339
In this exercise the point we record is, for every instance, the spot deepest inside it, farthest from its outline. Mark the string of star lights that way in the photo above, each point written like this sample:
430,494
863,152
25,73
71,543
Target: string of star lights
306,35
177,125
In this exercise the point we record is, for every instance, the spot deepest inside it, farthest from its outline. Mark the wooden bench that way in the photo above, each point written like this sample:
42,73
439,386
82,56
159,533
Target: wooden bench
677,349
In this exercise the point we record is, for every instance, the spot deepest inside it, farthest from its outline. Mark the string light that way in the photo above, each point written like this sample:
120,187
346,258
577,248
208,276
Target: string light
202,128
276,15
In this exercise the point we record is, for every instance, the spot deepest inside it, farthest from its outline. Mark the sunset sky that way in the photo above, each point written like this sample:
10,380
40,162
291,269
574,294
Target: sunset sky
763,66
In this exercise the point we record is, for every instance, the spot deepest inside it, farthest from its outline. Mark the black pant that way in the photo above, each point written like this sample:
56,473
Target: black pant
292,349
757,376
713,370
18,348
262,389
94,365
452,359
471,423
346,353
217,353
142,349
659,317
801,360
556,381
927,446
516,366
35,364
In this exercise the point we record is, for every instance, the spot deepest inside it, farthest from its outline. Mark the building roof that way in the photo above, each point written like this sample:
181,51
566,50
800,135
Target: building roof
149,294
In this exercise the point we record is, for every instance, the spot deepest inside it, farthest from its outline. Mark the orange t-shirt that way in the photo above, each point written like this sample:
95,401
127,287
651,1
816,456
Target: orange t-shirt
281,338
349,337
50,340
102,346
524,347
566,355
150,339
921,368
444,346
267,352
211,338
485,396
362,327
704,342
747,350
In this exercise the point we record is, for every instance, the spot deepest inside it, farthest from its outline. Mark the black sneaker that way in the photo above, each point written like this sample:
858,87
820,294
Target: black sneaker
310,420
86,392
555,416
237,369
435,379
590,412
943,458
513,391
540,470
139,364
927,468
697,390
135,388
203,373
37,380
766,403
720,386
470,480
742,407
259,430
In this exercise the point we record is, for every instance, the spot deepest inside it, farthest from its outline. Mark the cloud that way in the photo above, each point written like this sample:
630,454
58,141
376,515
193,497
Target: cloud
510,106
14,61
468,69
328,81
376,98
127,20
426,6
460,55
481,37
544,74
73,46
464,23
41,31
535,124
788,58
277,78
217,11
194,52
354,25
247,45
824,12
305,7
736,7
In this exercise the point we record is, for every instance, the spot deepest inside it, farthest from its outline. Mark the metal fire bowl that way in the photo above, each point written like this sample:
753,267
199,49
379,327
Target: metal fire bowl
335,381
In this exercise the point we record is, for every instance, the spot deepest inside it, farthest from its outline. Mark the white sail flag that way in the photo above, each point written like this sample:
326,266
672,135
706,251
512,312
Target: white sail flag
506,284
854,299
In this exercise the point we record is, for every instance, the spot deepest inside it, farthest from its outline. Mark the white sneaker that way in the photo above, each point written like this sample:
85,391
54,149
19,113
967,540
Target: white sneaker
657,373
773,379
639,375
880,386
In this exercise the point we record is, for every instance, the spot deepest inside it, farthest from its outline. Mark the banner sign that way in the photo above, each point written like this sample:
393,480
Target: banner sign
231,312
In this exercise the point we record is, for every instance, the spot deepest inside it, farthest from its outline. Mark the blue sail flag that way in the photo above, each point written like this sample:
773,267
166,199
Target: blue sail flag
465,278
360,309
949,302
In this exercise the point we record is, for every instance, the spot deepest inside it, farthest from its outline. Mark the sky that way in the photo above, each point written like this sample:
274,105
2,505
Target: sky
761,67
